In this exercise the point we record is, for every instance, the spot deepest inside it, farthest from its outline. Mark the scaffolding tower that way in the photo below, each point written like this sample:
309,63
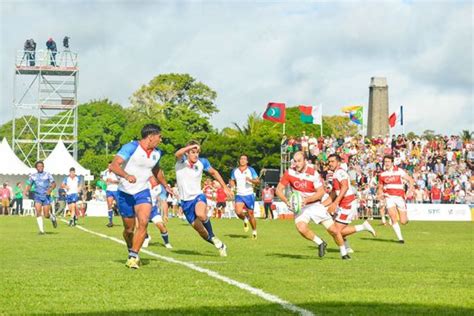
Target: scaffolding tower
44,103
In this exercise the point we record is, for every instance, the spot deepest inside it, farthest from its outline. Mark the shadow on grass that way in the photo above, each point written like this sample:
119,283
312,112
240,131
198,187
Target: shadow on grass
243,236
191,253
393,241
322,308
328,250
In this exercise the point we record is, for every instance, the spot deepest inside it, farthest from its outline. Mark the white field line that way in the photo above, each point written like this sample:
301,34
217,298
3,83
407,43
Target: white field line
250,289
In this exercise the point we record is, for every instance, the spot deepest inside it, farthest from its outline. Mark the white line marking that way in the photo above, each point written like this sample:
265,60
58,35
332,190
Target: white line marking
252,290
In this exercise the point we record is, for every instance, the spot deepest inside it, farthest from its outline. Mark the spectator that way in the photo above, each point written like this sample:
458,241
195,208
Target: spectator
267,196
29,52
52,49
418,194
5,195
61,202
18,198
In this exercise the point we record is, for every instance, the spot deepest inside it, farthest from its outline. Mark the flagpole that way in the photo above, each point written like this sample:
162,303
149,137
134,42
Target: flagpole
284,128
321,125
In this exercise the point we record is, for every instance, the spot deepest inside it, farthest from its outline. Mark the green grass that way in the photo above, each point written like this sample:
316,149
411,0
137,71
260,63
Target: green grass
71,271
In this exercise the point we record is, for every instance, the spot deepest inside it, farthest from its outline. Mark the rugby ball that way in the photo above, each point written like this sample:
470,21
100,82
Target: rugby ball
295,202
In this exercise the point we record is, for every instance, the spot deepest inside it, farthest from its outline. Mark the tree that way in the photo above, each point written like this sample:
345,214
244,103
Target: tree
411,135
101,125
428,134
466,135
162,94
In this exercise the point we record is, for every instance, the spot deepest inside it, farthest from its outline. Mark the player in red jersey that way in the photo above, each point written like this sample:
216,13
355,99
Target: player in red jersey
392,190
308,183
344,204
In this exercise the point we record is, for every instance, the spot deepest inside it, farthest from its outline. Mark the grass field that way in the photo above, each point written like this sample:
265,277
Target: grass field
72,271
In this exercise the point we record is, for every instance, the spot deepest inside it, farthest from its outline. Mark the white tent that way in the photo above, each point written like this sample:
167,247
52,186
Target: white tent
10,164
60,161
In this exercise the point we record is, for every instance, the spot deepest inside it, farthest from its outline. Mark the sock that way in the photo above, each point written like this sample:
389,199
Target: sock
359,228
165,237
398,231
146,236
383,220
208,226
254,232
111,215
246,220
132,253
343,250
346,244
39,220
317,240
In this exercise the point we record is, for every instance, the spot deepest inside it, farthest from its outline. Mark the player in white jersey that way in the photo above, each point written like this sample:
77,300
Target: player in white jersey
72,185
189,169
159,212
392,190
135,163
344,205
112,192
243,179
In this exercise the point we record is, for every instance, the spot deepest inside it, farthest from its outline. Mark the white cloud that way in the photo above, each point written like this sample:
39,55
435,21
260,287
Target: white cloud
252,53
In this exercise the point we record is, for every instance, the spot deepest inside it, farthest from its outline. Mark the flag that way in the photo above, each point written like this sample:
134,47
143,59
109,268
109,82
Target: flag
311,114
392,120
350,108
356,113
275,112
396,118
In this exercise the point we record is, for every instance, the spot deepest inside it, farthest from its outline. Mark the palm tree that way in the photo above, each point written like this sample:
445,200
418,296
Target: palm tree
251,126
466,135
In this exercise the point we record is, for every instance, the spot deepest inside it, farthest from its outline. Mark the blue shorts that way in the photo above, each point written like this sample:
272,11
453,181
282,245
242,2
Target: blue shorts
42,199
248,200
155,211
113,194
127,202
189,207
72,198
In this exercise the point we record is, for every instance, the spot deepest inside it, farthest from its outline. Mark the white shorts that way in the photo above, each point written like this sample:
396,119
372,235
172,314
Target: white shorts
344,215
157,219
315,212
396,201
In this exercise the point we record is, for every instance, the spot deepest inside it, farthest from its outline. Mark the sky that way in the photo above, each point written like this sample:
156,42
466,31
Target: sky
254,52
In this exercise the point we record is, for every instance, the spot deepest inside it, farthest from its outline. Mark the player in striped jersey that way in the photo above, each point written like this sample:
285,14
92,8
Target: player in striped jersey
392,190
344,204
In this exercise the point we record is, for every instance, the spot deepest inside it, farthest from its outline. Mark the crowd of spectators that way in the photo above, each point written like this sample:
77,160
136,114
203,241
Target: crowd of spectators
441,166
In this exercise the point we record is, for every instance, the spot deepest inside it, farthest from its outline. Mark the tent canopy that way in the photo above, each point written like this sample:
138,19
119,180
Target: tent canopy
60,161
10,164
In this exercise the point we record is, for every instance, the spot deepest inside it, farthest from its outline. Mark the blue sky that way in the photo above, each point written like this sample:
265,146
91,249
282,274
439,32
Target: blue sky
254,52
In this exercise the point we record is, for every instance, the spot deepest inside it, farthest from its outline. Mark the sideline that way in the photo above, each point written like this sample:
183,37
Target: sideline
250,289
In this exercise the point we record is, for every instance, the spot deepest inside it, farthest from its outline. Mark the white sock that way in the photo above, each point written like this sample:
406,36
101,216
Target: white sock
254,232
346,244
246,221
343,250
317,240
39,220
359,228
398,231
383,220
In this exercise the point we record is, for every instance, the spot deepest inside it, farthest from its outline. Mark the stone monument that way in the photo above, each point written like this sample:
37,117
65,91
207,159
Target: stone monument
378,108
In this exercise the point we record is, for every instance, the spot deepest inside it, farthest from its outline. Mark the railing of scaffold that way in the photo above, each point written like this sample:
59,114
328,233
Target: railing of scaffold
45,58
